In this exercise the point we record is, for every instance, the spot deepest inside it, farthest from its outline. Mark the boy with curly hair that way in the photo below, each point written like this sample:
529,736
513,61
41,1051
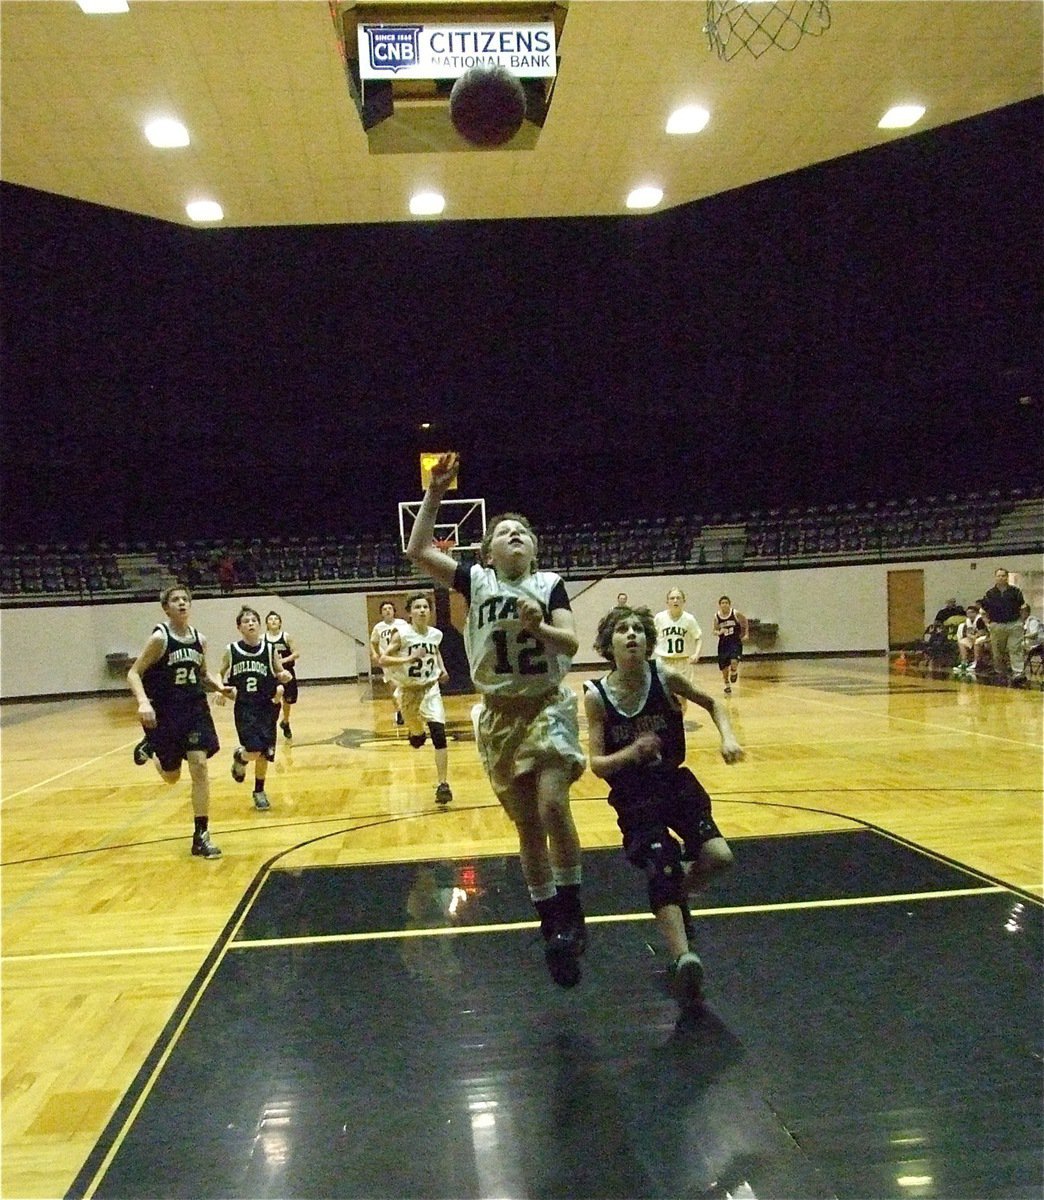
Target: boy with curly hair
637,743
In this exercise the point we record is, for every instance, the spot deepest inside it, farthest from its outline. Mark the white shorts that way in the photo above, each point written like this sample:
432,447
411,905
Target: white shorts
420,704
519,735
678,664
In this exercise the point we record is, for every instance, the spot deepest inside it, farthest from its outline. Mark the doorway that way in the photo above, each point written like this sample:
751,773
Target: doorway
905,608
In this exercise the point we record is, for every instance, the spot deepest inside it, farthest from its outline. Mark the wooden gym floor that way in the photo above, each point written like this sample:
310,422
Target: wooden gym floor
307,1017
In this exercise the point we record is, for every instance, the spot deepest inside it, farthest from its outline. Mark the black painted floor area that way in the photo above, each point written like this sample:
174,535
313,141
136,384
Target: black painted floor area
859,1050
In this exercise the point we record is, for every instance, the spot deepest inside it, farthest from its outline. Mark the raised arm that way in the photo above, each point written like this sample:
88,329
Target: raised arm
442,567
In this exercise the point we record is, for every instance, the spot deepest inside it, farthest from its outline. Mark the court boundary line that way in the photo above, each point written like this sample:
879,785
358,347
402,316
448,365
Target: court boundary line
326,939
738,910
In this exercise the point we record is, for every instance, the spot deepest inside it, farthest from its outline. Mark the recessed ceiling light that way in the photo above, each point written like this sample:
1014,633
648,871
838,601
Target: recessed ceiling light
902,116
645,197
690,119
205,210
95,7
427,204
166,132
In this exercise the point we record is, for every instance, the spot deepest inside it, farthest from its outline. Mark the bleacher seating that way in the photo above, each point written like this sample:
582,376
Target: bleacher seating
948,526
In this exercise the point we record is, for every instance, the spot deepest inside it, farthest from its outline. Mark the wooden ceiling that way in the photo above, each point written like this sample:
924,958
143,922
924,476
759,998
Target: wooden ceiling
277,139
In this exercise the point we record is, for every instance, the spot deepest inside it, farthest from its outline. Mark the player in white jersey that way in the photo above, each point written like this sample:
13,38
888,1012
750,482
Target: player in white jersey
520,642
380,639
679,638
414,662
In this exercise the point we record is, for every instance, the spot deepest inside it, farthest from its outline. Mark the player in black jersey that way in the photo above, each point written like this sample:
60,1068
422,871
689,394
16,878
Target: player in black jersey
637,742
731,628
169,680
251,667
286,648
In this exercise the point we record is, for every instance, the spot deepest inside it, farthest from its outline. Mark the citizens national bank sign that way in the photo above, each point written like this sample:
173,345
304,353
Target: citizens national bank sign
446,51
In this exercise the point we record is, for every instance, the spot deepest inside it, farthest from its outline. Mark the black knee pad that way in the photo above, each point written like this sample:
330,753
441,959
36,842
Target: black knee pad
665,873
417,740
438,734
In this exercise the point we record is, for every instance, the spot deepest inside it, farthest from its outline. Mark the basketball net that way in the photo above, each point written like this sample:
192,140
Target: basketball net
758,25
447,544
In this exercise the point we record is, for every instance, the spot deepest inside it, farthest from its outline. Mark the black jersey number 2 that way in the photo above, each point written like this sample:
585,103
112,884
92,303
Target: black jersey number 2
531,660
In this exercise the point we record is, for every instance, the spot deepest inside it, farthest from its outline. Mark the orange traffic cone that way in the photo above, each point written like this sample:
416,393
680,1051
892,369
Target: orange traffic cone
900,662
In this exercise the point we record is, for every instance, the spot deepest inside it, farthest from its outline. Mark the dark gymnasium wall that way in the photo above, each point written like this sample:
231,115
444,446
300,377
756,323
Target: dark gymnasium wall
866,328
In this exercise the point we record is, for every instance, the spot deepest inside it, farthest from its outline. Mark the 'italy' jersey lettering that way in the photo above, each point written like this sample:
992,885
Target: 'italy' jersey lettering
504,658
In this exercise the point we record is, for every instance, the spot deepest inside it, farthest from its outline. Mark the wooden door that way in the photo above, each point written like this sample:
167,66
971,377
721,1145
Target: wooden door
905,608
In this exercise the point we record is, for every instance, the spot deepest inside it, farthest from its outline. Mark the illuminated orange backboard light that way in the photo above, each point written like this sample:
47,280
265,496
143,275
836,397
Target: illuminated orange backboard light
428,459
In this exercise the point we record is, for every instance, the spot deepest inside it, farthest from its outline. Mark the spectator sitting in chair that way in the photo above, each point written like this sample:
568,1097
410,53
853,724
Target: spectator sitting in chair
972,638
935,643
950,609
982,649
1032,634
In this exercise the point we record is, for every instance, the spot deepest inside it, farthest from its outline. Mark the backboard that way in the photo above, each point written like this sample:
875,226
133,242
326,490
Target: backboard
462,520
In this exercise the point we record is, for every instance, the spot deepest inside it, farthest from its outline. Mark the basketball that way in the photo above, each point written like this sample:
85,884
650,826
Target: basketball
487,106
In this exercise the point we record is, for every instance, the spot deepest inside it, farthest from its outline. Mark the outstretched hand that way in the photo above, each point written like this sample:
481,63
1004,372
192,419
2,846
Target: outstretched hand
444,472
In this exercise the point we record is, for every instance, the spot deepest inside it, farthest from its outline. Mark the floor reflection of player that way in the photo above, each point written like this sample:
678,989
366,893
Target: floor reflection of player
433,901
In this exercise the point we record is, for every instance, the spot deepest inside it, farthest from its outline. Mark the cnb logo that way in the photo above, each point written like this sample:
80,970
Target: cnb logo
393,47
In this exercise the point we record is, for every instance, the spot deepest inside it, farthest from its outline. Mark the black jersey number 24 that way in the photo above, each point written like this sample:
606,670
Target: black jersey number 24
531,660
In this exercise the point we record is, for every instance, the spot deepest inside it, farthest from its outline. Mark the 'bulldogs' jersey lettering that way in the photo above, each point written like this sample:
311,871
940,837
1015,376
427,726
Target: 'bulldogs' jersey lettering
177,675
252,672
726,627
659,714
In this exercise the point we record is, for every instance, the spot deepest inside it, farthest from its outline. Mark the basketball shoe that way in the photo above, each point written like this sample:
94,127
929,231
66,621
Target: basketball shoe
203,847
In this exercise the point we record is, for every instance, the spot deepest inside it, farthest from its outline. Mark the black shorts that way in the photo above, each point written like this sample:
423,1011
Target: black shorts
181,728
729,650
290,691
256,727
671,801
